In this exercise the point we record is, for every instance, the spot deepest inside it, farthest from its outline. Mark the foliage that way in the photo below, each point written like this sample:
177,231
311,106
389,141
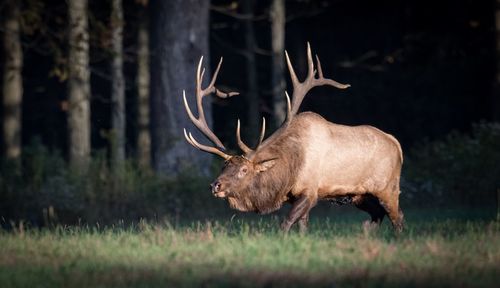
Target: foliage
443,252
461,168
42,190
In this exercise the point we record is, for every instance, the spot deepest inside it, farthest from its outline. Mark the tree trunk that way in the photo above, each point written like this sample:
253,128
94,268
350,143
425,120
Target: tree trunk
117,136
12,81
496,90
253,116
78,86
180,37
143,136
278,84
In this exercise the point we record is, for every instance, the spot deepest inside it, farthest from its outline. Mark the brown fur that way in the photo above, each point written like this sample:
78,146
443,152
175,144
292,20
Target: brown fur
267,191
317,160
307,159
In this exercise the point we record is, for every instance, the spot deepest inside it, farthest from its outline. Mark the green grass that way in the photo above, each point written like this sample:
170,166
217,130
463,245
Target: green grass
436,250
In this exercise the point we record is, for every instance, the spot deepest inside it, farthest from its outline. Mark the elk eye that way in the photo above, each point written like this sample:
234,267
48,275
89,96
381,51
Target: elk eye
244,170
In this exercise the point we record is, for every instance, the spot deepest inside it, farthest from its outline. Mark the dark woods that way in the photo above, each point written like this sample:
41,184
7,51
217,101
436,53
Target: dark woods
92,112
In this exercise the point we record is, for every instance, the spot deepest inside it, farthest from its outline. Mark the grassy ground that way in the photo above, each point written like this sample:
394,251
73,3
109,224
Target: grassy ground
446,250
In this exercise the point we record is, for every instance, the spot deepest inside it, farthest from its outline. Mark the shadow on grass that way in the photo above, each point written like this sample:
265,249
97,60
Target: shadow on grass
182,275
438,249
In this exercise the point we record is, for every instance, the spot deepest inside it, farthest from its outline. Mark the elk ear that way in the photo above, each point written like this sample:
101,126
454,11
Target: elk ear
264,165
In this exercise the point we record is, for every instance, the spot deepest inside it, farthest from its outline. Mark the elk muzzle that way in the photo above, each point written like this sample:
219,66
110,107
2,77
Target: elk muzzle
217,189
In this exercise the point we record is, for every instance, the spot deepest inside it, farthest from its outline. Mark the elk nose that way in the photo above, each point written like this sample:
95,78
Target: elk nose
216,187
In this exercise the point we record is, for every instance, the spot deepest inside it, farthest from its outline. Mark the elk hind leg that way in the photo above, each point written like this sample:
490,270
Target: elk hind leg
390,201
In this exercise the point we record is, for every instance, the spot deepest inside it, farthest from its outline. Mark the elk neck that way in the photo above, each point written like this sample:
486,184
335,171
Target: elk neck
269,189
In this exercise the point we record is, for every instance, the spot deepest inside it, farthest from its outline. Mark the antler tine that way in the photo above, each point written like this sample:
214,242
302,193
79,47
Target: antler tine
198,75
242,145
211,87
216,73
188,110
262,132
199,94
310,65
323,81
224,95
318,66
288,106
190,139
295,80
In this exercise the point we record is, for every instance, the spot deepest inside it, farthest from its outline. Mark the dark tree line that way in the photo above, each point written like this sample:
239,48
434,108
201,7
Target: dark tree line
83,76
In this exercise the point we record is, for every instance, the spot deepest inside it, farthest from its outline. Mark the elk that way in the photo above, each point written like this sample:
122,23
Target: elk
305,160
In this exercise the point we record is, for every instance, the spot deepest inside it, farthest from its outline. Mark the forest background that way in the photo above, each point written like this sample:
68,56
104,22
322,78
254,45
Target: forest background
92,97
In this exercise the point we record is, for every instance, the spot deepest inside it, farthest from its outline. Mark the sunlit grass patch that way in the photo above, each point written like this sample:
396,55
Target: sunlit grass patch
254,253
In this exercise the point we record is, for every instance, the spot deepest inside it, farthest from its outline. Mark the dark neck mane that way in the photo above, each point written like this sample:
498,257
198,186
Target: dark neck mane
269,189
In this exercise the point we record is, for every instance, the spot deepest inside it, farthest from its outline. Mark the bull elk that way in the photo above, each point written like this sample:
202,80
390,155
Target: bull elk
307,159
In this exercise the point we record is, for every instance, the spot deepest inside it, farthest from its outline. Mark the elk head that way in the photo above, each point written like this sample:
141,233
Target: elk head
236,167
238,173
241,173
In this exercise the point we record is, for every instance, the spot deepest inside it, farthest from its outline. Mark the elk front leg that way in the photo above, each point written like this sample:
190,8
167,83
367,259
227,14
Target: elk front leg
300,210
303,222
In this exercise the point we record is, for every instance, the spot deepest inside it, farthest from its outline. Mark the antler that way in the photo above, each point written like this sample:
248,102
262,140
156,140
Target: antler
242,145
205,148
201,122
300,89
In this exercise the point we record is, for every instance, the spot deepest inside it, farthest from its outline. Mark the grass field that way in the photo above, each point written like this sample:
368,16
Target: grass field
455,249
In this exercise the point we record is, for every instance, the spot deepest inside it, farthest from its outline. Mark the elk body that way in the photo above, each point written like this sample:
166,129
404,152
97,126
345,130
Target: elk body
306,160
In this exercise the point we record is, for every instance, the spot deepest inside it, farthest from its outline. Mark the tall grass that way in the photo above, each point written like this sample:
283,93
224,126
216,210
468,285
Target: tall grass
107,243
253,253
